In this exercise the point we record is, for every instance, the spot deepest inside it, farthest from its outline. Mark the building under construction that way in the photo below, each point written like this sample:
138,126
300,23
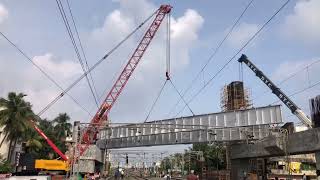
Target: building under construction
234,97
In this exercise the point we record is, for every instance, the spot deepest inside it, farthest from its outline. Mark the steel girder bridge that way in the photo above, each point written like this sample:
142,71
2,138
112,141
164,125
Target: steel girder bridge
240,125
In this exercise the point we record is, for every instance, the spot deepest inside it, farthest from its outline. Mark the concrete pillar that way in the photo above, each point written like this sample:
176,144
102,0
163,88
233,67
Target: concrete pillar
76,131
228,160
239,168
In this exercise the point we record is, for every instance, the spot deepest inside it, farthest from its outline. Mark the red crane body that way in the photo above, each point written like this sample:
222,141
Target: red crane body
51,144
102,113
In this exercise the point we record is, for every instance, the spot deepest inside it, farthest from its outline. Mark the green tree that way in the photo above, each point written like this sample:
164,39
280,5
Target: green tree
214,155
56,130
14,118
166,164
46,151
32,141
62,126
5,166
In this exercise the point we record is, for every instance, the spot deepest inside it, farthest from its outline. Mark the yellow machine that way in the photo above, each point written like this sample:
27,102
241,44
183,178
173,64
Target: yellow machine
52,165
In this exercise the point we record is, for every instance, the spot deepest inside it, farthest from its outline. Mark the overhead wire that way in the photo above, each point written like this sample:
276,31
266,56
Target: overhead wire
44,73
96,64
288,78
301,91
211,57
236,54
81,47
71,36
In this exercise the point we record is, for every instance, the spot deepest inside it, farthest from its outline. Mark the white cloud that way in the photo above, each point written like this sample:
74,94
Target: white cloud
3,13
303,78
185,28
304,23
141,88
120,22
184,32
115,27
242,34
28,79
64,69
287,68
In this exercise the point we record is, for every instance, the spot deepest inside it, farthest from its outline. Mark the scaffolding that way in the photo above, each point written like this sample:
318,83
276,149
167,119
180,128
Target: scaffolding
235,96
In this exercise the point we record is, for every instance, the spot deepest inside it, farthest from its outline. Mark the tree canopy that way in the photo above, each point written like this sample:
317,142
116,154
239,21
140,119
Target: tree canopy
213,158
15,116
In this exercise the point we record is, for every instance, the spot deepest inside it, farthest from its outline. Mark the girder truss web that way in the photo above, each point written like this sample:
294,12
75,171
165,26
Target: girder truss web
239,125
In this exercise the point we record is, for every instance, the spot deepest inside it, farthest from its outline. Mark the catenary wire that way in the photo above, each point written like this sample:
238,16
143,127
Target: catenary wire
211,57
96,64
71,36
236,54
43,72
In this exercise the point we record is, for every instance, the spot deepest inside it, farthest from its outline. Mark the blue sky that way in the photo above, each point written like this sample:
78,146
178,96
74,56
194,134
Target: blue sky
286,45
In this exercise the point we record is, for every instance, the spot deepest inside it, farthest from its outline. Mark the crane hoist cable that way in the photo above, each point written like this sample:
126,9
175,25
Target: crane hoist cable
236,54
90,134
94,66
71,36
211,57
168,47
168,54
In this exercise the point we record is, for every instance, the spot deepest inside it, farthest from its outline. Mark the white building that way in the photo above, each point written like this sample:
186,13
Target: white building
5,146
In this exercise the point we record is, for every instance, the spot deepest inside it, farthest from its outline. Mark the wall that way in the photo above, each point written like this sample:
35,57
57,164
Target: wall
5,146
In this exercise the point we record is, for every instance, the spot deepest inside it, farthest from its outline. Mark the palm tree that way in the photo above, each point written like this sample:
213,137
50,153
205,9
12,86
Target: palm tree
32,141
14,118
62,126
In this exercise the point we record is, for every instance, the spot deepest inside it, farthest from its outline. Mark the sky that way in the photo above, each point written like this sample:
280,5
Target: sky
286,45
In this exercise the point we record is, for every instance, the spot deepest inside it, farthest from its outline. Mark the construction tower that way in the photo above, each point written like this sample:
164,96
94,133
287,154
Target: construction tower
234,97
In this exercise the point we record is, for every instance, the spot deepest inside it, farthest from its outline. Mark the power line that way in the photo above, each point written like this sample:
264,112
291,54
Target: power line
43,72
215,51
301,91
71,36
233,57
288,78
82,49
96,64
